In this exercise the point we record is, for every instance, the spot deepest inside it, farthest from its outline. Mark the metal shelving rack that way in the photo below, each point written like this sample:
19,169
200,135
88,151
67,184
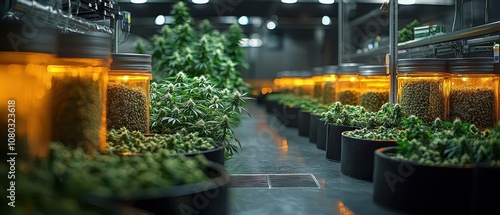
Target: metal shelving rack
77,16
472,41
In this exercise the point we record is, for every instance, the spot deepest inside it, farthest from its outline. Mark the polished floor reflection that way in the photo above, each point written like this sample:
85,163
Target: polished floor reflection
272,148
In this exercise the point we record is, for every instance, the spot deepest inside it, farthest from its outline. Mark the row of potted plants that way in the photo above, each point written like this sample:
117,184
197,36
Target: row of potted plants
448,166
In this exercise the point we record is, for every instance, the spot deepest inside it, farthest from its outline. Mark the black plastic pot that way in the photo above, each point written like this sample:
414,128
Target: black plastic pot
271,105
418,189
485,185
313,128
204,198
304,123
216,155
291,116
356,159
321,134
278,112
334,141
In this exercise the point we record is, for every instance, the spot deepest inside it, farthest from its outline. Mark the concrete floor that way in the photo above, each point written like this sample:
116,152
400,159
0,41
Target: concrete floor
270,147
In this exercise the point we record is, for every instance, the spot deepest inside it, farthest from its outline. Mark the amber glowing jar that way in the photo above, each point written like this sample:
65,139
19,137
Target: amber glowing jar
128,92
329,83
79,78
348,85
318,82
473,91
306,86
278,82
24,84
423,87
375,87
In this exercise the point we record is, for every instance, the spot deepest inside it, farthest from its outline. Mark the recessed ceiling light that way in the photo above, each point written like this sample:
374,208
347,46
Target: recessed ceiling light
271,25
160,20
200,1
326,20
407,2
243,20
289,1
138,1
326,1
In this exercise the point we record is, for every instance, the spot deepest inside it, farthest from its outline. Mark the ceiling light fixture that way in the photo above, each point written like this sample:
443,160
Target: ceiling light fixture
326,1
200,1
289,1
243,20
406,2
160,20
138,1
326,20
271,25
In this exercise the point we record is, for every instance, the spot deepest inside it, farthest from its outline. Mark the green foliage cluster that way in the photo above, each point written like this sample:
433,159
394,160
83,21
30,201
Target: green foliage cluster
184,105
389,116
121,141
63,183
444,143
378,134
181,48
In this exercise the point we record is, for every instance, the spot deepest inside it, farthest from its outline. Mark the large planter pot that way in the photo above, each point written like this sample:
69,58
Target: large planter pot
485,185
313,128
334,141
208,197
216,155
279,111
321,134
291,116
357,156
418,189
304,123
271,106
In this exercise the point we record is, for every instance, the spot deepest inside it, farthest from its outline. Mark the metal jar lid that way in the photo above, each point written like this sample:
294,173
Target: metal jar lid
97,45
131,61
422,65
349,69
331,69
373,70
20,37
318,71
476,65
304,74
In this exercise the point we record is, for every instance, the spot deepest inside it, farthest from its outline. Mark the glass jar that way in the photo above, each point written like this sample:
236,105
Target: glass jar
318,82
423,86
287,81
306,86
79,88
473,91
24,83
348,85
128,92
329,81
375,87
278,82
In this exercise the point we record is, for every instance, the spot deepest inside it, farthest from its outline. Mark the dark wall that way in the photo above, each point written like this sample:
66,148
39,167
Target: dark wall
291,49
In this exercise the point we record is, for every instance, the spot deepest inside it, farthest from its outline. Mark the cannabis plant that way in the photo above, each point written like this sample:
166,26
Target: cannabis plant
378,134
443,143
185,105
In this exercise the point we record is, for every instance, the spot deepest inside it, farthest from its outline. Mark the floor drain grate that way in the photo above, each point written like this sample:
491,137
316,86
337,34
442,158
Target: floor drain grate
273,181
248,181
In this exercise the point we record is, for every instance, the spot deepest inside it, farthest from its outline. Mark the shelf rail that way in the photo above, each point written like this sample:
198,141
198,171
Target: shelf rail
51,16
485,29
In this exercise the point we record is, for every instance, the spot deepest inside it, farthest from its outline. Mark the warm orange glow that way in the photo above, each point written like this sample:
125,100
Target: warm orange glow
266,90
352,79
327,78
284,145
343,210
464,79
308,81
126,154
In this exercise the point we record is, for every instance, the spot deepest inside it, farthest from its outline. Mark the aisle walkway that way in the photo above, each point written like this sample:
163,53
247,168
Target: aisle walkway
271,148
